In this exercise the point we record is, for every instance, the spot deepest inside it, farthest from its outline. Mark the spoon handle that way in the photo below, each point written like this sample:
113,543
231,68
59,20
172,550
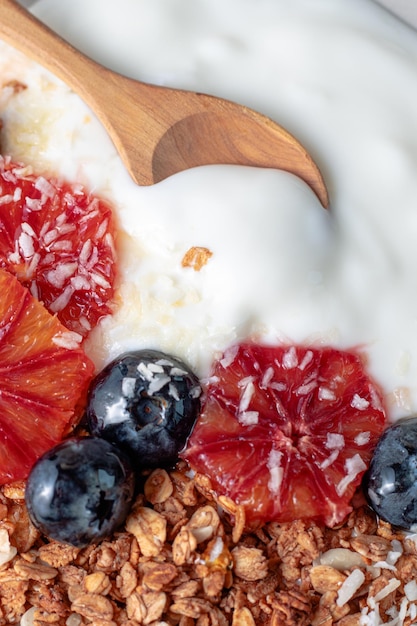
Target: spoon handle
160,131
121,104
24,31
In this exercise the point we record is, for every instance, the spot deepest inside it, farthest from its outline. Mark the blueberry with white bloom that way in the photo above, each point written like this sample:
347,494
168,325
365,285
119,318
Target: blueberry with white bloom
80,491
391,481
145,402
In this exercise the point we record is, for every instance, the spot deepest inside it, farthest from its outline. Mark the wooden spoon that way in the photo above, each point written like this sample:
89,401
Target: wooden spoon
160,131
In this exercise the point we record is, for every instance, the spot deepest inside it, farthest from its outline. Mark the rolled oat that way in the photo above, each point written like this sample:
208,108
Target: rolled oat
180,561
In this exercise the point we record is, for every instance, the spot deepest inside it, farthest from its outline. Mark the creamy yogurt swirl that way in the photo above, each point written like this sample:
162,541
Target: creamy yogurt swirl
339,74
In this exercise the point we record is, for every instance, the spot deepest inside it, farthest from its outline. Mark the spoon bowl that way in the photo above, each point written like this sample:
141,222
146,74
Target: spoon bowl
159,131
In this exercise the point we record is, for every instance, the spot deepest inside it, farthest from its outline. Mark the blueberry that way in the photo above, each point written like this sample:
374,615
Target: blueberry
146,403
80,491
391,481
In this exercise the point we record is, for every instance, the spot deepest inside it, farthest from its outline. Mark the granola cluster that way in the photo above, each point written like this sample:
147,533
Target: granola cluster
185,558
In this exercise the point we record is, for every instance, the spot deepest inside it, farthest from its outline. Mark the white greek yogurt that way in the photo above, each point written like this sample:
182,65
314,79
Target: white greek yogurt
341,75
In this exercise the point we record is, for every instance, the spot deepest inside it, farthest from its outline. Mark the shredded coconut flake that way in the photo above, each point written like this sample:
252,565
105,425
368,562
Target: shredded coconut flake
363,438
45,187
156,368
27,228
164,363
128,386
7,551
276,471
84,323
391,586
14,257
375,400
350,586
63,245
26,245
61,273
177,371
80,282
278,386
157,383
101,229
33,204
99,280
195,392
330,459
267,377
247,395
33,264
68,339
217,549
410,590
248,418
173,391
229,356
62,300
359,403
354,466
290,359
85,252
6,199
307,388
326,394
306,360
17,194
145,372
335,441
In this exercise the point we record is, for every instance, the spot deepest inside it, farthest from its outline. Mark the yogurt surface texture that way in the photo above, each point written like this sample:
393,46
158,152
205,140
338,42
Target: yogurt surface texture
341,75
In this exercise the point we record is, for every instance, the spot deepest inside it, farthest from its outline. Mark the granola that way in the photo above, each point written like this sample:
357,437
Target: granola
180,562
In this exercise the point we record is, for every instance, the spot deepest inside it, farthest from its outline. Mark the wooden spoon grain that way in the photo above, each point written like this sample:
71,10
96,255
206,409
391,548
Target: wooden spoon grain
160,131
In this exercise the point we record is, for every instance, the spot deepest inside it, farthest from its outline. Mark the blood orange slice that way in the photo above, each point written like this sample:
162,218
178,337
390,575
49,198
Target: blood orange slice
287,431
43,378
58,240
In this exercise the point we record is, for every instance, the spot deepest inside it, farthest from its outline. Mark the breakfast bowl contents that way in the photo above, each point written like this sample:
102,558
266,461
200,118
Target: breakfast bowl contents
200,378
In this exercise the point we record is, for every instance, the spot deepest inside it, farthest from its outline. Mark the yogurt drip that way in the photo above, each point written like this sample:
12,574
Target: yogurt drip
341,75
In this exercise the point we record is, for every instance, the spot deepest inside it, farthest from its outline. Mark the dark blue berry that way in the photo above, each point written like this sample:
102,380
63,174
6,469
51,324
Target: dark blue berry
146,403
391,481
80,491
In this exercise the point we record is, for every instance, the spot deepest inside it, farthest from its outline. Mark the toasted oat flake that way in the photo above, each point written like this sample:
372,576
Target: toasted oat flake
173,557
196,257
